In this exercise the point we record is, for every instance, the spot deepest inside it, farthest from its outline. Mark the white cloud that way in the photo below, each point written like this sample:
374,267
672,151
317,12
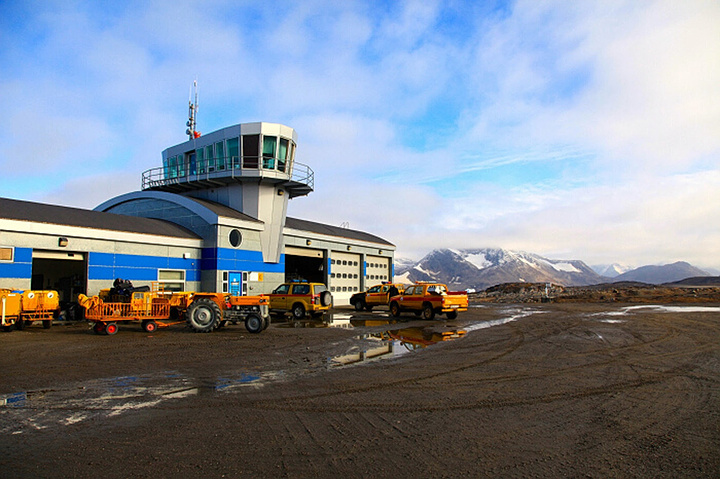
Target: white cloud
612,106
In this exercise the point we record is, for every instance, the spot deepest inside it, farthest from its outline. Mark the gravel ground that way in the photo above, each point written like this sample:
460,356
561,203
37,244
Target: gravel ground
545,390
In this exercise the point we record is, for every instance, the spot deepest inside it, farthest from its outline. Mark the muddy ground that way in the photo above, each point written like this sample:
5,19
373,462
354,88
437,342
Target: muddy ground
541,390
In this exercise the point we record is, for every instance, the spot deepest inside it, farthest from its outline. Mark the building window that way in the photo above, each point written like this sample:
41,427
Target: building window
269,144
251,148
233,153
171,279
6,254
220,155
235,238
282,154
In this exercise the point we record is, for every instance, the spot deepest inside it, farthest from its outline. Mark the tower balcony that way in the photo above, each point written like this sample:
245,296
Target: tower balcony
296,178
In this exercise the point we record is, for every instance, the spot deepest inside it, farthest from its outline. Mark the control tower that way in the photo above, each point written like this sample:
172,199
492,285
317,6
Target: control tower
248,167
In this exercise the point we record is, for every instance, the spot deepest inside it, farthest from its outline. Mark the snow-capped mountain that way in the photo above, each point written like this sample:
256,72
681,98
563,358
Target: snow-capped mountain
611,270
482,268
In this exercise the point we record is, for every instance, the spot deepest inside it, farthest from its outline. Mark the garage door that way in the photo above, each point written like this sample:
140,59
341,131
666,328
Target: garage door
377,270
345,271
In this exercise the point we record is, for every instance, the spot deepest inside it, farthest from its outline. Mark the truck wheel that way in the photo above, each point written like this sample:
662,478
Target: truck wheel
298,311
111,328
47,323
149,326
20,324
395,309
254,323
325,298
203,315
452,315
359,305
428,312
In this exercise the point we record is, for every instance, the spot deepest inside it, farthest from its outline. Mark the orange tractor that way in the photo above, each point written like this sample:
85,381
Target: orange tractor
20,308
155,308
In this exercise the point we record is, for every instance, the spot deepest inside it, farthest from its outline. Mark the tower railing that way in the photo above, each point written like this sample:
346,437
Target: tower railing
234,167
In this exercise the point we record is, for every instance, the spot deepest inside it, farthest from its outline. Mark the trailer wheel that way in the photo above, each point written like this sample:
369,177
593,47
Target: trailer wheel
111,328
254,323
203,315
149,326
428,312
395,309
98,328
47,323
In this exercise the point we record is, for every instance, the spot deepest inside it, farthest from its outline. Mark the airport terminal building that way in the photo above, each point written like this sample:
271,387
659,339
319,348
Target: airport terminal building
211,218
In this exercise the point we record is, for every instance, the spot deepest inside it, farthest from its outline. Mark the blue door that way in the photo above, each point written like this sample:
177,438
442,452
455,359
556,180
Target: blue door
235,283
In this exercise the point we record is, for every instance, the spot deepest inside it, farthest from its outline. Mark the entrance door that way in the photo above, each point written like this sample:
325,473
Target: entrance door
235,283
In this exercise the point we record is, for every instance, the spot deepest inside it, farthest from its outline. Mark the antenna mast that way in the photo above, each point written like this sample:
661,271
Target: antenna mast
192,112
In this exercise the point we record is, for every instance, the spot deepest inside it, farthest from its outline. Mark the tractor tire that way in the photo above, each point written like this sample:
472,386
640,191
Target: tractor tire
395,309
428,313
266,322
254,323
203,315
298,311
326,298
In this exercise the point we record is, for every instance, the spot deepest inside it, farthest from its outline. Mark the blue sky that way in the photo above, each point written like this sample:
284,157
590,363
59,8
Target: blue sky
578,130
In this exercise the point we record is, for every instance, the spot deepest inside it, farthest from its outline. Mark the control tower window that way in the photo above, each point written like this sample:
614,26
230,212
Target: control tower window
220,155
209,158
269,144
233,153
172,164
200,161
251,150
283,154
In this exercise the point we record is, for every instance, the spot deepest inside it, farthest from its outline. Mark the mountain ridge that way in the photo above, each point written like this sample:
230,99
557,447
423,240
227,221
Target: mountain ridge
481,268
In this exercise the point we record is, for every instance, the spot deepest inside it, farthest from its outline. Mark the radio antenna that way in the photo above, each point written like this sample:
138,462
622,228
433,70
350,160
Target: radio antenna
191,132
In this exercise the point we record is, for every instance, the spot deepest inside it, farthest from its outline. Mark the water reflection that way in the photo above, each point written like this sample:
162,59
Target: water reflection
395,342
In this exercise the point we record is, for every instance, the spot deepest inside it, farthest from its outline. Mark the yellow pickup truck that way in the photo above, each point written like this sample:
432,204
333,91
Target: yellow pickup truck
429,299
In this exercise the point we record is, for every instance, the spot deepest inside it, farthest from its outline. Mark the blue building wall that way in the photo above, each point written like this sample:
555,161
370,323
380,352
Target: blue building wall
108,266
20,267
226,259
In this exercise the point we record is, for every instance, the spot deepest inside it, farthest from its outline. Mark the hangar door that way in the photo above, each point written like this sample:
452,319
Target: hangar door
62,271
345,272
377,270
304,264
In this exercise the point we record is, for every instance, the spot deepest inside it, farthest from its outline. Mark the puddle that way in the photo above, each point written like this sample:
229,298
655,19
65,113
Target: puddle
393,343
609,316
